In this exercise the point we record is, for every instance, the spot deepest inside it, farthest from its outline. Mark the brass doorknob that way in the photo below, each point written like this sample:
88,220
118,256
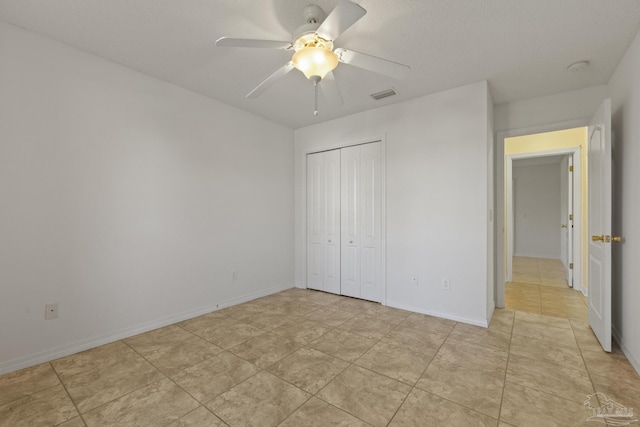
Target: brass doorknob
597,238
616,238
563,226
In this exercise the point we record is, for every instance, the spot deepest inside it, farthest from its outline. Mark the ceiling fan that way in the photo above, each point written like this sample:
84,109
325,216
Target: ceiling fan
315,56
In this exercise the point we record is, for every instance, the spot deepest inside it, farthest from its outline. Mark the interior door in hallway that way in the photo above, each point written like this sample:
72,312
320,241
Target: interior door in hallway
323,221
361,222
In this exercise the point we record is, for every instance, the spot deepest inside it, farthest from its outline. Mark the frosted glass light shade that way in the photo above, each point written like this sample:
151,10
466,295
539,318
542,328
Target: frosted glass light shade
315,61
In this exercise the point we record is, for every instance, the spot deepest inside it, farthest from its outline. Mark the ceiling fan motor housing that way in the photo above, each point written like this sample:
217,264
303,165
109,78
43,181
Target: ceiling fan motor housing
303,35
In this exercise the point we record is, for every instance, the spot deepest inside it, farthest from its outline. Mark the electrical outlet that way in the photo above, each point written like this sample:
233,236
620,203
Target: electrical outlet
414,279
445,284
234,275
51,311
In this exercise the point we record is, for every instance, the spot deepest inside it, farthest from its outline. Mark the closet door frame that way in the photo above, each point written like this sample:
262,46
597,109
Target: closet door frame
383,215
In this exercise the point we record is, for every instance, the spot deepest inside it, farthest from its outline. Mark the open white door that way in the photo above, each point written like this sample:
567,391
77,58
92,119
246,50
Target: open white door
600,224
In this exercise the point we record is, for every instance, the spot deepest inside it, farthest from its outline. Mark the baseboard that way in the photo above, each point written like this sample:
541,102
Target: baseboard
483,323
536,256
86,344
630,356
491,308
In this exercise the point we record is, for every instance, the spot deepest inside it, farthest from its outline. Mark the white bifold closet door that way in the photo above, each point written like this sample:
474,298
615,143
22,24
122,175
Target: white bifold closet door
359,221
323,221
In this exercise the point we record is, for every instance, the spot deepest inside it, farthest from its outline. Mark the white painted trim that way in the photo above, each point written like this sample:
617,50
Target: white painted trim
509,220
483,323
490,315
499,192
86,344
383,215
630,356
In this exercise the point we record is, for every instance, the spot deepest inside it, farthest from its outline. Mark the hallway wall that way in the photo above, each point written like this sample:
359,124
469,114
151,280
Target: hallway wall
537,210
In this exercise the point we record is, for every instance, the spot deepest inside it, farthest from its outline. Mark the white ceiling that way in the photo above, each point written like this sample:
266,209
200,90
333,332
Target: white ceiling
522,47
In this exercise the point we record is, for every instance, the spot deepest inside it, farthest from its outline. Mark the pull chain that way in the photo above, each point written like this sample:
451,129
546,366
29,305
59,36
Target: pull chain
315,108
315,80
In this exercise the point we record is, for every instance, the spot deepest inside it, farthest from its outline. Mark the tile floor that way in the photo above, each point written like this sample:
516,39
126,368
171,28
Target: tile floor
306,358
539,286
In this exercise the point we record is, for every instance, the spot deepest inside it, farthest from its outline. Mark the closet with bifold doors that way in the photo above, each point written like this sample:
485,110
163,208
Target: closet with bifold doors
344,221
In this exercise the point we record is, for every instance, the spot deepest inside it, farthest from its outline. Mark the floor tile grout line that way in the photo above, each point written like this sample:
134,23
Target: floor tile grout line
353,363
586,368
349,364
542,285
220,394
546,391
307,345
118,397
139,388
413,387
504,380
265,370
315,395
68,394
447,399
27,395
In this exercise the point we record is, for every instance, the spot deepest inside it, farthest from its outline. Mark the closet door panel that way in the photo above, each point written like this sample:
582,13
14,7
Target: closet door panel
371,222
350,220
315,213
332,221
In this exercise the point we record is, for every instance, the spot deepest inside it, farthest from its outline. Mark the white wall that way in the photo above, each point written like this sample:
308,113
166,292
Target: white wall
436,196
624,88
127,200
561,107
537,210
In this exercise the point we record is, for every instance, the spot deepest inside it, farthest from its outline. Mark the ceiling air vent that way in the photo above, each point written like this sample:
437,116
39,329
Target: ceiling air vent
384,94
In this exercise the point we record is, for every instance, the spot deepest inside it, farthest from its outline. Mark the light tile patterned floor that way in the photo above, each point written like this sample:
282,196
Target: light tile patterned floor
539,287
306,358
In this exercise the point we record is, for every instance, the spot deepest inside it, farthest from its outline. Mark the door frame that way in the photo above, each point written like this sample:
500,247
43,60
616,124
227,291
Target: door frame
383,214
509,216
571,209
499,194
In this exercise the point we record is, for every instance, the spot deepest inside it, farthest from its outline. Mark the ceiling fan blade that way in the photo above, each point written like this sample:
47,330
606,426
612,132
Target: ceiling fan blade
331,90
342,17
372,63
264,44
280,72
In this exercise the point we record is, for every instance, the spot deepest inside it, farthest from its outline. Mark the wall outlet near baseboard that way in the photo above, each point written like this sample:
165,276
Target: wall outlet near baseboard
446,285
51,311
414,279
234,275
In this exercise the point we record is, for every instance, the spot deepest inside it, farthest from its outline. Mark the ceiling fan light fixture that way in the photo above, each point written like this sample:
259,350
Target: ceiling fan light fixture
315,61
